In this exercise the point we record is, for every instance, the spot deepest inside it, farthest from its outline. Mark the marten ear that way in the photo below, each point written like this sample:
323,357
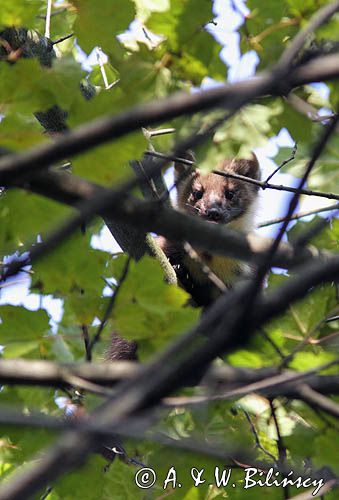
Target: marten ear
181,168
250,167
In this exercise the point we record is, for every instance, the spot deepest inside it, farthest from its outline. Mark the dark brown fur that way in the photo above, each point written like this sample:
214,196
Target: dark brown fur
121,349
216,199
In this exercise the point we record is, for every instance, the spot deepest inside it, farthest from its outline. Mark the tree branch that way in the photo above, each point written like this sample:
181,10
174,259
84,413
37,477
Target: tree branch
223,321
300,215
317,20
166,373
232,96
262,184
170,223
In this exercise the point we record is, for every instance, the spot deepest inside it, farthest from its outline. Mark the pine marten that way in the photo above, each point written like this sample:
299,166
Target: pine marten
218,200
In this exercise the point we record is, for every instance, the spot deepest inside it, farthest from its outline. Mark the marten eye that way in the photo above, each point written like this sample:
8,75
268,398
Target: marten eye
229,195
197,195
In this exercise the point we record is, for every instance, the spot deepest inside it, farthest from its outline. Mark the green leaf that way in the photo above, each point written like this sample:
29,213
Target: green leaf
298,125
303,320
146,7
23,218
271,25
141,76
81,307
109,163
147,308
325,450
22,331
329,30
74,265
193,52
20,12
244,357
19,446
99,22
91,489
120,480
20,87
327,240
20,132
182,21
61,350
74,271
82,111
303,361
27,87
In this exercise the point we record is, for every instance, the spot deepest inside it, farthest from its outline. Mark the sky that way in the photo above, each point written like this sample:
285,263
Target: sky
272,204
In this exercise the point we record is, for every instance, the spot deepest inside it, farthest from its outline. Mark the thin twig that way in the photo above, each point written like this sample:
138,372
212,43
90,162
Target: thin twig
83,384
149,181
48,19
267,262
155,133
272,343
175,366
279,187
300,215
62,39
102,67
256,437
280,445
284,384
55,13
287,359
250,180
193,255
232,96
157,252
282,164
110,305
103,199
85,336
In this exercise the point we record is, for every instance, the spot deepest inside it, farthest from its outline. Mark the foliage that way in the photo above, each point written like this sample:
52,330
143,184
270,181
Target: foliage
173,51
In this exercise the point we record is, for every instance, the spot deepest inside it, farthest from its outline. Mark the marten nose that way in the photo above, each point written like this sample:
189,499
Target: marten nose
213,214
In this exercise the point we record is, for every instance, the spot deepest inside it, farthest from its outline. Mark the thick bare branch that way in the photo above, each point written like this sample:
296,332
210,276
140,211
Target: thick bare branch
318,19
314,399
273,381
47,373
232,96
168,372
168,222
224,321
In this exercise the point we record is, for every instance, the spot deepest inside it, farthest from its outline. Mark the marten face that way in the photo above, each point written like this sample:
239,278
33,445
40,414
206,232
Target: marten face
220,199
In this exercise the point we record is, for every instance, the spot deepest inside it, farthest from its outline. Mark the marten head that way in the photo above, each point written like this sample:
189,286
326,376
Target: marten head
220,199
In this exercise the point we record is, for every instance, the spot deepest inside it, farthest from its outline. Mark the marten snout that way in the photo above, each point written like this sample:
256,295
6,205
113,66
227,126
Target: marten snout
214,198
214,214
